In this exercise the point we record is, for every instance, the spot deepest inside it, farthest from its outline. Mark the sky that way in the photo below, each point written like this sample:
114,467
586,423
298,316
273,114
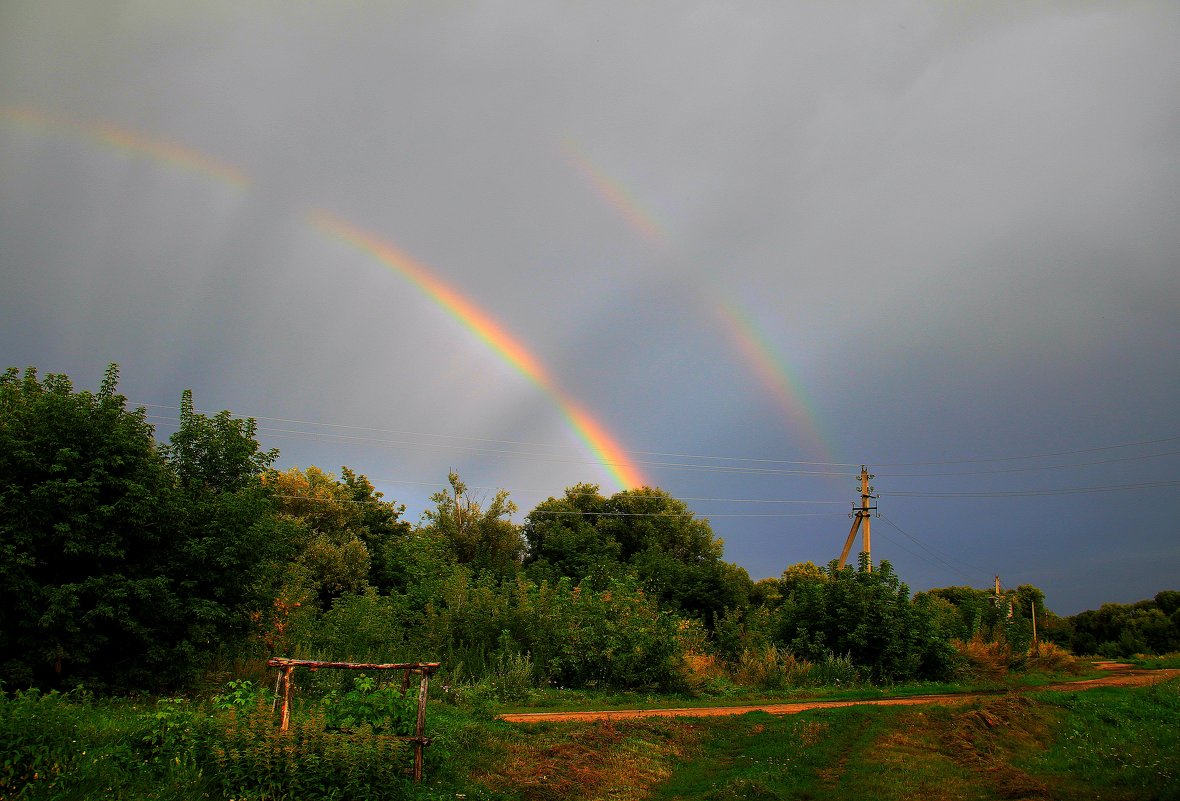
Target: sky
733,250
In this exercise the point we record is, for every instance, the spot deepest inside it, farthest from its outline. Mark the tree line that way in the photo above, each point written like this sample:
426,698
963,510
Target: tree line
129,564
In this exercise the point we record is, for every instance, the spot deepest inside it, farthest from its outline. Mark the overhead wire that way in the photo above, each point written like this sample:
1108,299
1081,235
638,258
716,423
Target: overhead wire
1033,493
1094,449
933,553
721,464
735,466
1137,458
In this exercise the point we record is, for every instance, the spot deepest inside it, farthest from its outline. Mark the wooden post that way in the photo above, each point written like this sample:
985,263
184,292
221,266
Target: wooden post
288,686
286,678
420,726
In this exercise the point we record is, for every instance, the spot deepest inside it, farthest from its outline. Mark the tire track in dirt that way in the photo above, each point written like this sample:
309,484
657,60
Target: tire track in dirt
1123,677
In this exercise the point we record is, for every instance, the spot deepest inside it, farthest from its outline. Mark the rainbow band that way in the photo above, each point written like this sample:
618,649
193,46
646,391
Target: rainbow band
615,194
602,444
760,355
130,141
604,447
743,332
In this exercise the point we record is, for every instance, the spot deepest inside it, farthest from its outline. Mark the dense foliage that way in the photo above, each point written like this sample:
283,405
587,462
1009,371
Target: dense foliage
131,564
1119,630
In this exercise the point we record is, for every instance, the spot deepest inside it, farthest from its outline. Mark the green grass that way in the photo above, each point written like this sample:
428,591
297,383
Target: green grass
1114,743
1124,743
1156,662
759,756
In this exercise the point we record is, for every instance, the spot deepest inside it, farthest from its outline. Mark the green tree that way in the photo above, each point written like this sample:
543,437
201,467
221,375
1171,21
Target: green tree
486,539
331,556
645,532
867,614
85,507
564,538
227,547
674,553
379,526
215,454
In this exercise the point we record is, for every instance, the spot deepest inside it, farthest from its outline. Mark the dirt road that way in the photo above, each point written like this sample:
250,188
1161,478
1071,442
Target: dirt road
1122,675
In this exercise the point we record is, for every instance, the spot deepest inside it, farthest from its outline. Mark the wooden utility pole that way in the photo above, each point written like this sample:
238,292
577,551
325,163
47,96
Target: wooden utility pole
860,517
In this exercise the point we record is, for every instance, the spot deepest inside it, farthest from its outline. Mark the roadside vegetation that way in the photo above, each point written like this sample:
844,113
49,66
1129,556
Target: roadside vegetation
144,584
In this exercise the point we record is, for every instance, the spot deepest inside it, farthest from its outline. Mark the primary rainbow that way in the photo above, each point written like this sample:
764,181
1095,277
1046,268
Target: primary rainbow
605,448
597,439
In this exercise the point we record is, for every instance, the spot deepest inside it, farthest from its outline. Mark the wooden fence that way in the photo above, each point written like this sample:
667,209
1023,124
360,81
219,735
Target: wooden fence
286,686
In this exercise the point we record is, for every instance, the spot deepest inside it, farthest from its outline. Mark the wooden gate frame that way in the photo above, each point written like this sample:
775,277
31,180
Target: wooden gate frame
425,669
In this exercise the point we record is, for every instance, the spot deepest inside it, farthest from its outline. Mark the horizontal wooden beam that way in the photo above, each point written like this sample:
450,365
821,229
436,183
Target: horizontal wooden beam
421,667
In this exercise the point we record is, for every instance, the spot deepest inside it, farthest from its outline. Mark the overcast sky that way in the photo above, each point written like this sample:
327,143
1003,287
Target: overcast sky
757,243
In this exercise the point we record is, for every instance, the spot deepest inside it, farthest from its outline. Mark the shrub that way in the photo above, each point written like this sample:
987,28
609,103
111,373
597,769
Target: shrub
382,709
1050,658
978,659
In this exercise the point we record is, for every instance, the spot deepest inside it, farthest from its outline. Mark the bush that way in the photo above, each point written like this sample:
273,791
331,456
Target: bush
978,659
1050,658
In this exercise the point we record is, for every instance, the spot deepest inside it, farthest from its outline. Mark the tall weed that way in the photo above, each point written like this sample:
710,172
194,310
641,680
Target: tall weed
981,659
772,668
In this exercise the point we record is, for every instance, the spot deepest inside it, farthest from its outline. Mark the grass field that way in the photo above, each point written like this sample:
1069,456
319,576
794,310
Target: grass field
1112,743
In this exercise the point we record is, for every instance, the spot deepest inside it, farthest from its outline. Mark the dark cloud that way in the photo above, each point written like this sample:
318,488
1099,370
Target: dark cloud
952,225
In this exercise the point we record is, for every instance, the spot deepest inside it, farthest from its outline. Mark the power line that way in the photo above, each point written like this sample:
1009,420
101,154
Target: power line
1033,455
927,548
1033,493
662,454
1038,467
734,462
561,513
385,443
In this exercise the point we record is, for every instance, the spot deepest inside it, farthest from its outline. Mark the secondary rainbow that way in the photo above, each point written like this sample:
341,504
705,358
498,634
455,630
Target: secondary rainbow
786,391
740,327
616,195
125,139
591,432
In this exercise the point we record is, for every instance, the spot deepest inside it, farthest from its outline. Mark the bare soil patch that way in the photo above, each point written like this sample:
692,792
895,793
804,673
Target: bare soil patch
1124,676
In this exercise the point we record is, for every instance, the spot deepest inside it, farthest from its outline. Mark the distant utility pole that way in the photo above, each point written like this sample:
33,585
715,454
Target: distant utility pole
859,516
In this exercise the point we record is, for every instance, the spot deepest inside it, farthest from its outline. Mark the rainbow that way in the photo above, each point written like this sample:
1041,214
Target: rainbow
604,447
616,195
597,439
161,150
787,392
740,327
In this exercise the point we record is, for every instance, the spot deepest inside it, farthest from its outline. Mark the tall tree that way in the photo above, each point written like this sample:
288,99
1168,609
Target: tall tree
218,453
564,538
485,538
645,531
85,510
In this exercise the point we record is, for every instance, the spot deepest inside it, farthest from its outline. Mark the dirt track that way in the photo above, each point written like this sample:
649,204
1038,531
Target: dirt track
1122,676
